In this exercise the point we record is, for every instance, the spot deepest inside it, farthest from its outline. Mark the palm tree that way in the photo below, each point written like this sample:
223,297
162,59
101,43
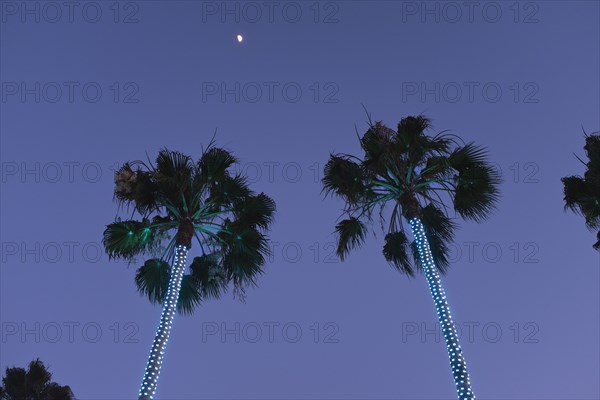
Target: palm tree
582,195
179,201
35,383
411,173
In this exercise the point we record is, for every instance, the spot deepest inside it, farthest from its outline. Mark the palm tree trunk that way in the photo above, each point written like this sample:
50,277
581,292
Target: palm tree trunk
164,328
457,361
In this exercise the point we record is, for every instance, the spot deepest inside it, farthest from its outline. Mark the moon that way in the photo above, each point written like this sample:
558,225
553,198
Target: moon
240,38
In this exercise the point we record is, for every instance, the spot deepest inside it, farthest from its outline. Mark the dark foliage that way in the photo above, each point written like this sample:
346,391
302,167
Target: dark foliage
33,383
417,176
582,194
180,202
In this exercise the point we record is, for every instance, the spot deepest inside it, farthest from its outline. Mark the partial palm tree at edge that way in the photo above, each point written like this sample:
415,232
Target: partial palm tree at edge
582,194
414,175
33,383
179,202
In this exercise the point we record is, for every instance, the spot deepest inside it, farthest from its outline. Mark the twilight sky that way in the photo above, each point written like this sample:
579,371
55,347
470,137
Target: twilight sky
89,85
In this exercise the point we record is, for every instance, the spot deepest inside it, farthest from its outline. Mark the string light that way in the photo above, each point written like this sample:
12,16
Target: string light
457,361
164,328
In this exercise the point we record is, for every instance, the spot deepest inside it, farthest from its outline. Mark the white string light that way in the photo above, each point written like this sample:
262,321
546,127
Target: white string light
164,328
457,361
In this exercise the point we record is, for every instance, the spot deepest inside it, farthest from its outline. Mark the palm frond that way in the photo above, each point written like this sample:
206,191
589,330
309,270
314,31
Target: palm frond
436,168
189,295
412,141
592,150
438,223
173,175
213,165
243,253
152,279
468,155
210,275
255,211
228,190
590,209
344,178
351,234
413,126
376,144
173,165
575,188
127,239
395,251
476,191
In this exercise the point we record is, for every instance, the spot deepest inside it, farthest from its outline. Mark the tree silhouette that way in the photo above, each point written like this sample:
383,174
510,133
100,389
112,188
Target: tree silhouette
582,194
409,173
33,383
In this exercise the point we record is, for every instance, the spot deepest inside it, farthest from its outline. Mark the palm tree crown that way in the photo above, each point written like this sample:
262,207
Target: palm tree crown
35,383
582,194
179,201
412,174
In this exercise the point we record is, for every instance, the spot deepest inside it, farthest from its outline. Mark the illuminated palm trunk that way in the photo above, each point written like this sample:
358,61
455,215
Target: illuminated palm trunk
457,361
164,328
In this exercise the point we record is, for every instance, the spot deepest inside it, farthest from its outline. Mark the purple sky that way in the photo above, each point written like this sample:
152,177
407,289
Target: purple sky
520,78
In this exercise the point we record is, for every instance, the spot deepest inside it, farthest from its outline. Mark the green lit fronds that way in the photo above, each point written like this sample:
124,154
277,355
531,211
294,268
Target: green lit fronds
127,239
152,281
181,202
